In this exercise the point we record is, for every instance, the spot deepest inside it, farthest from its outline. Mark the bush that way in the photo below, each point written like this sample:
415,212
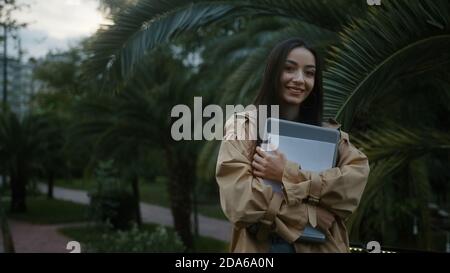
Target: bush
111,202
135,240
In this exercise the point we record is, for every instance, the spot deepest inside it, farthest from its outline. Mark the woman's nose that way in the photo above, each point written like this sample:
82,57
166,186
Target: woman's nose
298,77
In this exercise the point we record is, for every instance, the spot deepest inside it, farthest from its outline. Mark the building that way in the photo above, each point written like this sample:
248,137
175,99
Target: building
20,84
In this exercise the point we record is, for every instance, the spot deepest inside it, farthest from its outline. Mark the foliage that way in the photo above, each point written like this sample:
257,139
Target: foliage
114,7
51,211
92,236
111,201
400,42
140,241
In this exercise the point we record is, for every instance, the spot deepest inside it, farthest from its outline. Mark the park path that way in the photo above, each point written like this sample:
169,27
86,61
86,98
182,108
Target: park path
33,238
208,227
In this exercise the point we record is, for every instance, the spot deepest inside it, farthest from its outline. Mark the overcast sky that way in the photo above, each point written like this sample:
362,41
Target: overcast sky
56,24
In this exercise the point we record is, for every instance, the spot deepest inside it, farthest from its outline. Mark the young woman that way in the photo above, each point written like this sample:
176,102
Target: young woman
266,221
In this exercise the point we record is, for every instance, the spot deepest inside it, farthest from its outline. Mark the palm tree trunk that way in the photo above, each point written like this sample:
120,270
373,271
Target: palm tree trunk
195,208
50,184
18,192
180,188
180,205
136,195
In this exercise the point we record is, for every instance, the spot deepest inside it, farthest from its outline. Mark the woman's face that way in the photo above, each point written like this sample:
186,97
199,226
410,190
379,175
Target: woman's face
297,77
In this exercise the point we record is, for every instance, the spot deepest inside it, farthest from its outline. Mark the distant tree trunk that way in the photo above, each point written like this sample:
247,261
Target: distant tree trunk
181,206
180,189
8,244
18,191
195,208
50,184
136,195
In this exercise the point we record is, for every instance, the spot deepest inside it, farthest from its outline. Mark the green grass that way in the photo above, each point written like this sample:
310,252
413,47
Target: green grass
76,184
44,211
154,193
92,235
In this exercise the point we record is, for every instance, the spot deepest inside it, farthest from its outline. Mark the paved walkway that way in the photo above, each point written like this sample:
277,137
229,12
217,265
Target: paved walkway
208,227
31,238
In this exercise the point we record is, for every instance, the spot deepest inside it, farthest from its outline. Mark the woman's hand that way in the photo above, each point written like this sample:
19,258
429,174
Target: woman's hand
268,165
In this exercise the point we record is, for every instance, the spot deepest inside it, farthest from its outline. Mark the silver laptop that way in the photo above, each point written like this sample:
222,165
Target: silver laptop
314,148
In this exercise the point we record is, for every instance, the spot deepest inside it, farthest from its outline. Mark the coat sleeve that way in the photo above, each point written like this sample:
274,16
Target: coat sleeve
338,189
245,199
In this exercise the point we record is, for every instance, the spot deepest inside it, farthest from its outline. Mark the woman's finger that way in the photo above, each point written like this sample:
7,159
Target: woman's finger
262,153
258,159
278,153
258,174
257,166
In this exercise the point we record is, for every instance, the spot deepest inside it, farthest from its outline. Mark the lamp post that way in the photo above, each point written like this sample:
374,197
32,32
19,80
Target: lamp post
5,65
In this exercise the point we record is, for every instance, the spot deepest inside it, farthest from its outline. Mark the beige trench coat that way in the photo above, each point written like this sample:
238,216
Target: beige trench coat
246,200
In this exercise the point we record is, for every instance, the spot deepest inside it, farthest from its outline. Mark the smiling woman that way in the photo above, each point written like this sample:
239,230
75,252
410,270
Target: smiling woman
269,221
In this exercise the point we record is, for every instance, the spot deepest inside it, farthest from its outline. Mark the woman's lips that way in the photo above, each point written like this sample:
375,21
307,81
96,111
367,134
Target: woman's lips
296,90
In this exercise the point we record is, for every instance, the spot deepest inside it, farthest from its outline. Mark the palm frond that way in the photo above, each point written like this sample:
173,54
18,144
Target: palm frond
400,38
376,183
422,191
391,148
141,28
389,139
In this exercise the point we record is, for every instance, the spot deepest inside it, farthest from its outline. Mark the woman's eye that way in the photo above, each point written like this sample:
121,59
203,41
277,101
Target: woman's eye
289,69
310,73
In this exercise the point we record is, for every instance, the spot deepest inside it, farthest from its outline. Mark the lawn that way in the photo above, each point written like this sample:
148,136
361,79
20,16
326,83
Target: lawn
46,212
153,193
92,235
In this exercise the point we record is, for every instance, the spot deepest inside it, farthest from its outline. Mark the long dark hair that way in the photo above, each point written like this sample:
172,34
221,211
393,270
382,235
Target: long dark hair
269,93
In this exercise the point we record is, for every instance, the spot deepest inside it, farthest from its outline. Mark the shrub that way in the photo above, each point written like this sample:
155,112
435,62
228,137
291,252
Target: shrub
111,202
135,240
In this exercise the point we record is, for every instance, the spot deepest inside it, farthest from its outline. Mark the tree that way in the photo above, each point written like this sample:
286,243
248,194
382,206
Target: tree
19,153
62,85
114,7
131,123
9,24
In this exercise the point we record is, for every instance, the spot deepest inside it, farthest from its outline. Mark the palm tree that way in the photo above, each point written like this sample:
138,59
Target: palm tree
137,120
100,125
52,156
396,53
375,56
19,152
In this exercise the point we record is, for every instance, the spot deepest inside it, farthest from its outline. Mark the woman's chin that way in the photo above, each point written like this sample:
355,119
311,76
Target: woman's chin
294,100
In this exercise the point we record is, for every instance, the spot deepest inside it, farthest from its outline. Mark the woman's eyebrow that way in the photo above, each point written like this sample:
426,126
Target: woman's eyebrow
292,62
295,63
